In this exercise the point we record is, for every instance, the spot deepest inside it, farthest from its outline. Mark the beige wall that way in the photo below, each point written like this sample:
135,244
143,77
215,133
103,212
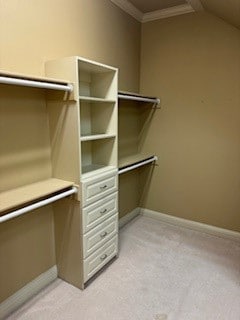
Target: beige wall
32,32
193,63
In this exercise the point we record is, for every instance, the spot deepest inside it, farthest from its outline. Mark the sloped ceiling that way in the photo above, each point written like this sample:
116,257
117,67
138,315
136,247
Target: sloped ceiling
228,10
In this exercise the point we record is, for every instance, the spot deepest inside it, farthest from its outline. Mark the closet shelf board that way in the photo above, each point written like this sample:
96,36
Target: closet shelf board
94,67
95,100
97,137
130,160
137,97
20,196
33,81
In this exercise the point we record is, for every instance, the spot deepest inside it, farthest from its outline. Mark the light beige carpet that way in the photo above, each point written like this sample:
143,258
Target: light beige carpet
162,273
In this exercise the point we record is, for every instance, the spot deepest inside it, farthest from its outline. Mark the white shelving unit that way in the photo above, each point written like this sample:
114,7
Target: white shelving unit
88,138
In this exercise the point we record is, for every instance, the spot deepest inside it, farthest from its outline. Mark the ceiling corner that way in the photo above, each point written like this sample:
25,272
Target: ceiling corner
129,8
196,5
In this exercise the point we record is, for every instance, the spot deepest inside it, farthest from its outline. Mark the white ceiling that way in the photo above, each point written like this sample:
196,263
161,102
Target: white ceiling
147,10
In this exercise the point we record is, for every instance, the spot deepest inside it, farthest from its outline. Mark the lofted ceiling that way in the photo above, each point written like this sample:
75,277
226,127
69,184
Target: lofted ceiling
228,10
143,11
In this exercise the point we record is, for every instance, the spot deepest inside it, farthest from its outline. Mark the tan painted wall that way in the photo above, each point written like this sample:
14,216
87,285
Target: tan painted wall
32,32
193,63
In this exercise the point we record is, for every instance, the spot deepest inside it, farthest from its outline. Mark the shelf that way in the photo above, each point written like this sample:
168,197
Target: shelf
97,137
20,196
9,78
93,66
130,160
138,163
95,100
137,97
93,169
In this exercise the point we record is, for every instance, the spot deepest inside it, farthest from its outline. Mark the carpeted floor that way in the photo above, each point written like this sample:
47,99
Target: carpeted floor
163,273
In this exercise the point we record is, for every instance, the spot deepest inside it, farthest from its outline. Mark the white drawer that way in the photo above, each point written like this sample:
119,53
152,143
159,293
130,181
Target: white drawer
98,187
99,211
100,257
96,237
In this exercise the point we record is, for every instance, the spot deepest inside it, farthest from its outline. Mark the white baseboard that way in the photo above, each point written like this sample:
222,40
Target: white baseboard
193,225
128,217
28,291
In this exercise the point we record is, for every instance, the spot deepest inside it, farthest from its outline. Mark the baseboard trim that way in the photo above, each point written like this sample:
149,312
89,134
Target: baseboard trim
28,291
197,226
128,217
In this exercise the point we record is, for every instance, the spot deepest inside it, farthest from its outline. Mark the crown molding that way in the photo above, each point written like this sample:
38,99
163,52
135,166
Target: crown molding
129,8
168,12
191,6
196,5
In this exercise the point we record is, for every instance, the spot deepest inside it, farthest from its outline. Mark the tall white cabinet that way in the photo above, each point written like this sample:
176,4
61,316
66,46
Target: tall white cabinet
83,133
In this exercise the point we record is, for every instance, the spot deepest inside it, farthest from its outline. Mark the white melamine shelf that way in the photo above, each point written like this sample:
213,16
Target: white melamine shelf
132,159
10,78
93,169
20,196
97,137
137,97
95,100
93,66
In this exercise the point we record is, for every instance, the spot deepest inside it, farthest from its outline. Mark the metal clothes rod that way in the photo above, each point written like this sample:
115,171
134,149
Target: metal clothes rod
137,98
36,205
134,166
36,84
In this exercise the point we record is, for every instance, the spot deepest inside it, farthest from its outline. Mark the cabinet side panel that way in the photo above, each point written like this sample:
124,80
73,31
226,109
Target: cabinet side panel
68,241
64,136
64,122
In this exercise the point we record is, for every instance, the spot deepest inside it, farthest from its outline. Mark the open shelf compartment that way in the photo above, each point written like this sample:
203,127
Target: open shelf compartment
98,154
98,119
97,80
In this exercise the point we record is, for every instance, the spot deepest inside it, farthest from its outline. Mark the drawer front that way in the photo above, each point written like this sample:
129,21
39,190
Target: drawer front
100,257
97,188
99,211
95,238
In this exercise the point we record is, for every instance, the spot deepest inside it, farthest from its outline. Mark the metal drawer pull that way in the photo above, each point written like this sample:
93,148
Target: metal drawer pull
103,211
103,257
103,187
103,235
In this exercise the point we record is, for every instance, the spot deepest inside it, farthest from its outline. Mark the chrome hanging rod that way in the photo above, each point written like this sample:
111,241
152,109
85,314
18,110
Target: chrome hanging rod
137,165
139,98
36,84
36,205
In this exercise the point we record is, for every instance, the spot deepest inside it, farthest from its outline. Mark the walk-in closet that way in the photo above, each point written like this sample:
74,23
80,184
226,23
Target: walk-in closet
119,159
